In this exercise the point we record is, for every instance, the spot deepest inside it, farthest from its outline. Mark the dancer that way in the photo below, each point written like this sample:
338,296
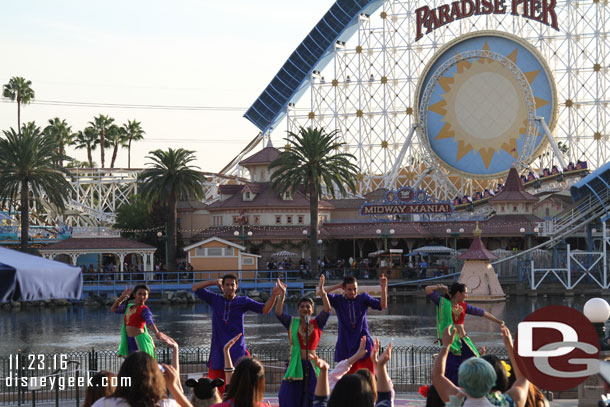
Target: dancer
351,309
228,311
137,317
301,374
451,310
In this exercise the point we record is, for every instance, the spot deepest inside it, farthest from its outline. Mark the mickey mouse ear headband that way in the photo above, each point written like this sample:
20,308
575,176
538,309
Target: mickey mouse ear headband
204,387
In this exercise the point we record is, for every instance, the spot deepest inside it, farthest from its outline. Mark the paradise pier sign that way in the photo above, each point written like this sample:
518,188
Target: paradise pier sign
542,11
405,201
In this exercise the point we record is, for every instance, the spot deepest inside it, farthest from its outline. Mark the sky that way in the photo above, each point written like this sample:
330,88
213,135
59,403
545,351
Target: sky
216,54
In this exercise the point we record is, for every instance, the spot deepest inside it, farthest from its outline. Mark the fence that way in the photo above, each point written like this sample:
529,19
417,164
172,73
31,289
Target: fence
409,368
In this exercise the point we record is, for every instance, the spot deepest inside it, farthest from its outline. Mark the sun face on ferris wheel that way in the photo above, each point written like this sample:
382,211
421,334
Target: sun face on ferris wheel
478,102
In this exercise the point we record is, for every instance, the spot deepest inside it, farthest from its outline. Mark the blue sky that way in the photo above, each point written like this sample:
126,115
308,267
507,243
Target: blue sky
180,53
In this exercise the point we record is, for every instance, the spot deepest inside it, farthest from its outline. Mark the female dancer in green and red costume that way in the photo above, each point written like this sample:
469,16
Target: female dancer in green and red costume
451,310
301,375
137,317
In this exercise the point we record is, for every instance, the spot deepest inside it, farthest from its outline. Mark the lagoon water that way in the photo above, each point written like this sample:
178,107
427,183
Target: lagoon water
80,328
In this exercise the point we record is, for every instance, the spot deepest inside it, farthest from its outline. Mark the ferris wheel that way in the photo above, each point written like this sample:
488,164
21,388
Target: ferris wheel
447,96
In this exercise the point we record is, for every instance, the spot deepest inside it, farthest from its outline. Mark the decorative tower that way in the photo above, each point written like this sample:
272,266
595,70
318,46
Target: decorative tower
478,274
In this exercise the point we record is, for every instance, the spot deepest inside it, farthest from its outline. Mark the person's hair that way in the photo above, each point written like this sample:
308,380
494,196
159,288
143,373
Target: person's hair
97,390
476,376
247,386
535,398
349,280
205,392
230,277
147,382
370,377
456,288
434,399
501,376
306,299
135,290
353,390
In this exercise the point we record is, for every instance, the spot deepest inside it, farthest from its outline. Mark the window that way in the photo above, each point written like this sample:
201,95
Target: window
515,208
247,261
236,220
278,219
217,220
229,251
300,219
215,251
287,196
200,252
257,220
547,212
289,219
247,196
323,218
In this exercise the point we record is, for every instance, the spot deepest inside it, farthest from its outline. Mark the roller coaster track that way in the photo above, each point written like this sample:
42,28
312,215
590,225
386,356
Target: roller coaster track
587,210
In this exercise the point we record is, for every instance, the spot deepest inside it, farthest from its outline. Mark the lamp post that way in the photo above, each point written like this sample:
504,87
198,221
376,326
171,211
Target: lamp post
163,237
243,236
455,234
597,311
385,236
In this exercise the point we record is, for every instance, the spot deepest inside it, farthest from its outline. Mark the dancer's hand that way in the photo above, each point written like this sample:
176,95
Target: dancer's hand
278,289
320,363
383,282
448,336
321,284
126,292
385,357
231,342
219,284
166,339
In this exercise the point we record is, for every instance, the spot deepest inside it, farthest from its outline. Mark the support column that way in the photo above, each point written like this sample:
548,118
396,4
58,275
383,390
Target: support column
74,258
144,261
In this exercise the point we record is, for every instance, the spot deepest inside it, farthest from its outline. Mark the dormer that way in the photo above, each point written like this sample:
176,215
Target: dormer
249,191
287,195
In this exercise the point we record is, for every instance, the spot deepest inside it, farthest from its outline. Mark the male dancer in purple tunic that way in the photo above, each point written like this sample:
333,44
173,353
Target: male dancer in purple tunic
351,309
228,311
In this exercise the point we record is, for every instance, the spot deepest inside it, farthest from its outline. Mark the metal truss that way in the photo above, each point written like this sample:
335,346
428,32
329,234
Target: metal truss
368,90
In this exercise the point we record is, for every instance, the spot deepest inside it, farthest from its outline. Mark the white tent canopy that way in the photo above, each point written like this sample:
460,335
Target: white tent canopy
425,250
284,253
24,277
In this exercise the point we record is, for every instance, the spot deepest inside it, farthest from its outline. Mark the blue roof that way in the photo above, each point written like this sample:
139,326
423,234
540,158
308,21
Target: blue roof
592,184
315,52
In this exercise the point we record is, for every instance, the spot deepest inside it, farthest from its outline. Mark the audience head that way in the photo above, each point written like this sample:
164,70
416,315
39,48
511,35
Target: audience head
147,383
247,386
102,385
370,377
353,390
535,398
501,374
205,392
476,376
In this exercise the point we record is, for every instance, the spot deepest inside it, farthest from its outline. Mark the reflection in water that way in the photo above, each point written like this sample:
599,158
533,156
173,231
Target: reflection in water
61,329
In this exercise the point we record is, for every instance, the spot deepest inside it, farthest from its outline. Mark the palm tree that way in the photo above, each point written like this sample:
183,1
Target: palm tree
134,132
87,139
29,161
18,89
61,132
168,179
116,137
311,162
101,125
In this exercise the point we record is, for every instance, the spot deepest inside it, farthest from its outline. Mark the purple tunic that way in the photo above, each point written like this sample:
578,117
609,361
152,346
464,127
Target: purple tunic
227,322
352,323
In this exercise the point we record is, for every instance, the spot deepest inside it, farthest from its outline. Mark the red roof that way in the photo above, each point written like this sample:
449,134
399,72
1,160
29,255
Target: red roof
265,156
98,243
513,190
265,197
477,251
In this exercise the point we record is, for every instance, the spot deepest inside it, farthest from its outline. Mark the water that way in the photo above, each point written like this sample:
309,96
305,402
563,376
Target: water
63,329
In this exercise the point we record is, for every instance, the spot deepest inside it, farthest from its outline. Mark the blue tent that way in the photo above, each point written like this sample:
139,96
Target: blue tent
24,277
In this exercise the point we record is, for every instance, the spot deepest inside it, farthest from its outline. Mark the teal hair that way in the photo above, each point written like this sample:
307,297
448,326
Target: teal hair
476,376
